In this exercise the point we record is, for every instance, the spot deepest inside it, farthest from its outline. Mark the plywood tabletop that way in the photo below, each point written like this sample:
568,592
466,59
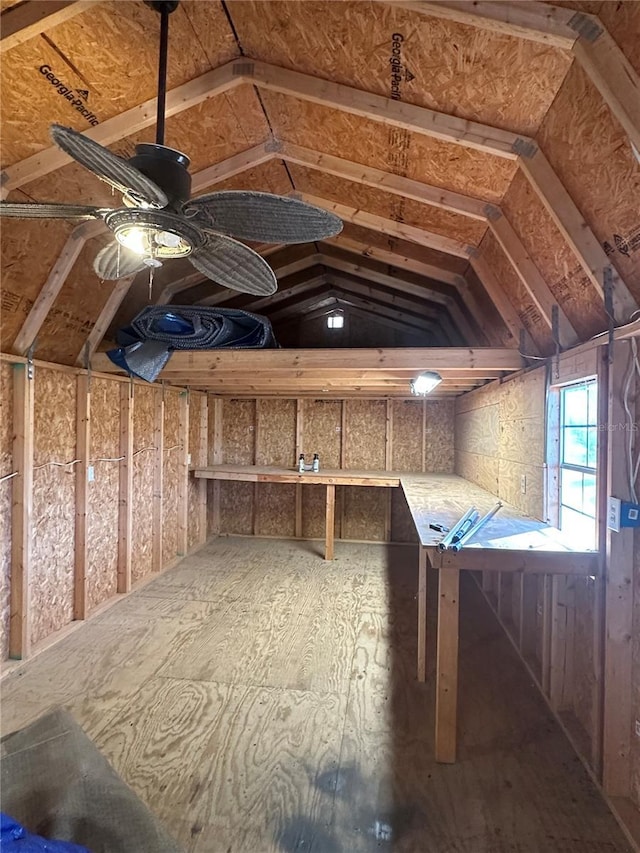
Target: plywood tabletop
326,476
444,498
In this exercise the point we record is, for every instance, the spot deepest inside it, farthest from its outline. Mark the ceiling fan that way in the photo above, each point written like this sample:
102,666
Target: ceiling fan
159,220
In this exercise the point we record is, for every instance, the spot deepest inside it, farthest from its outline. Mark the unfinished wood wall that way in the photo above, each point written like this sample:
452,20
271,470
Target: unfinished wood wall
401,435
169,508
553,621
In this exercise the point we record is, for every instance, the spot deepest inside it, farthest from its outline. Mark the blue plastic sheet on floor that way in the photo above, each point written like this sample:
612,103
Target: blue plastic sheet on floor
14,838
146,345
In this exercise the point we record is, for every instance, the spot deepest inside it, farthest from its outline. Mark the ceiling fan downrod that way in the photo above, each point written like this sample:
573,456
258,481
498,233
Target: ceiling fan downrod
165,8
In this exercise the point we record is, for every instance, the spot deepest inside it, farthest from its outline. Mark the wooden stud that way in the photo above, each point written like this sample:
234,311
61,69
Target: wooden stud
21,515
83,451
125,500
183,474
447,665
216,455
388,465
299,450
158,479
203,460
24,21
561,651
422,613
545,679
330,521
618,661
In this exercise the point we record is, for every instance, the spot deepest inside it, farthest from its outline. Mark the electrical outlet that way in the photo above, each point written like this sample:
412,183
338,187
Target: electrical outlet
523,484
637,728
91,474
188,459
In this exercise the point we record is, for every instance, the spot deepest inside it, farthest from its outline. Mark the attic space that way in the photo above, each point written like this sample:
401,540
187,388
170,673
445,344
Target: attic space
258,583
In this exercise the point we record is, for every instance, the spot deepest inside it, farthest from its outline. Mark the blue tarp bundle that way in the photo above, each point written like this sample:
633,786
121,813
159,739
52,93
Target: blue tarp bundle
14,838
146,345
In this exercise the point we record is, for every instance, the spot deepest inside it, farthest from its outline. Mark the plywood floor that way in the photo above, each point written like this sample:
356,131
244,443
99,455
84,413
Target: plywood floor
259,699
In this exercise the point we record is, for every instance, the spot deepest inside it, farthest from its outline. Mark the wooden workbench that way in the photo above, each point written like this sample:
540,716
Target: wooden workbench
510,542
327,477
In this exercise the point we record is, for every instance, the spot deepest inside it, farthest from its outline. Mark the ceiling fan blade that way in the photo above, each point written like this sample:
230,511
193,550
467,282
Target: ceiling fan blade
262,217
114,262
108,166
234,265
33,210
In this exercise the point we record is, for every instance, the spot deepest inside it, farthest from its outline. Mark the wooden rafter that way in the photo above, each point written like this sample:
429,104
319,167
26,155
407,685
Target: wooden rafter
391,112
499,297
23,21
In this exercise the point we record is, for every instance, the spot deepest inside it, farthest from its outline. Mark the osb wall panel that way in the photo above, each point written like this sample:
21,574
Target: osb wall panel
364,513
24,270
238,448
524,305
390,149
475,74
143,469
53,518
364,447
275,445
557,263
364,437
321,433
6,468
387,205
499,437
402,527
110,50
406,449
103,492
593,158
439,436
170,473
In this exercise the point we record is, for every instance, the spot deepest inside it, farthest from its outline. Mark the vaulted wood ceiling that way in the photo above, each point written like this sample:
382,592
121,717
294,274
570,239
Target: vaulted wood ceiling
480,155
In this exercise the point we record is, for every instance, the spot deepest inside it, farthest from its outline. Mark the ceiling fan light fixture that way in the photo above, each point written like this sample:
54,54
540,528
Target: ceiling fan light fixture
154,234
425,382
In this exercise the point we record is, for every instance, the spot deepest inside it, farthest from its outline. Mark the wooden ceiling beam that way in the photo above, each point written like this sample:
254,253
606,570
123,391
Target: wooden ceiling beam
386,110
389,226
103,322
439,197
24,21
408,358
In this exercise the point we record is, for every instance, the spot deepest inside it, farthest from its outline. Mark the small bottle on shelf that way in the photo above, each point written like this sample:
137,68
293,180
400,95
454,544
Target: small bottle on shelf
301,463
316,463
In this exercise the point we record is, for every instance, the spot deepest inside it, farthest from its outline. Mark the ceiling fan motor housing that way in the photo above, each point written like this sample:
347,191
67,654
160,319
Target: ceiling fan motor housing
167,168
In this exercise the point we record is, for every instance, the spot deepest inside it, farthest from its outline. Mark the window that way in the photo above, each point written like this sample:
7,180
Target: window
578,454
335,321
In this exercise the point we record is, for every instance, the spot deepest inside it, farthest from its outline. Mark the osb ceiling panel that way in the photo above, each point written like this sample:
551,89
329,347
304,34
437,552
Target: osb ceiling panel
425,255
110,53
513,287
381,203
75,310
469,72
207,133
270,177
558,264
593,158
392,149
29,251
620,17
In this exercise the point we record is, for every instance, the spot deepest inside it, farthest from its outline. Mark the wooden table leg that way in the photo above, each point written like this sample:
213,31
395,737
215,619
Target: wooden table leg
329,532
422,613
447,665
